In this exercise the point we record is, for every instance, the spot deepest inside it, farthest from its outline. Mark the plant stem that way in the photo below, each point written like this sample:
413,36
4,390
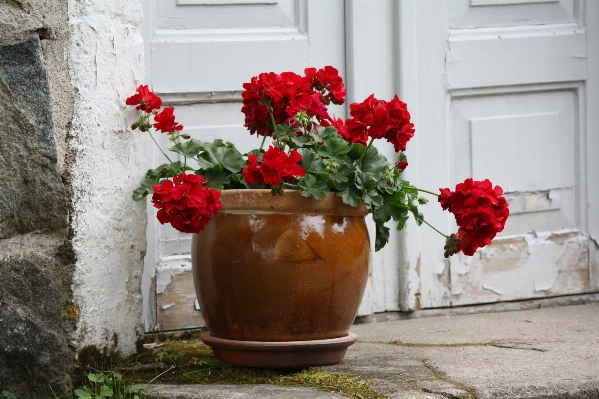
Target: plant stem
172,367
361,157
157,145
263,140
291,186
420,189
433,227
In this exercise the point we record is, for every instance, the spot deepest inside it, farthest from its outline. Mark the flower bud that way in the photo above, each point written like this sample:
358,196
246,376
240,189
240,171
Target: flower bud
185,136
143,123
331,166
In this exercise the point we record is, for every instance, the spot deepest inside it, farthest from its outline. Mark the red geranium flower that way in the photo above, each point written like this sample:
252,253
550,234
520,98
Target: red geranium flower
480,212
399,130
381,119
402,165
145,100
311,104
186,202
275,91
253,171
165,121
327,82
287,94
276,167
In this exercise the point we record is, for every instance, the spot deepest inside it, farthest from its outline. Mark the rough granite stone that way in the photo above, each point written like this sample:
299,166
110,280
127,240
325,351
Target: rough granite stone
37,315
32,195
35,325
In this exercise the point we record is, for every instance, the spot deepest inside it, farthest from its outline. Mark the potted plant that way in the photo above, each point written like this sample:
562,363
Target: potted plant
280,247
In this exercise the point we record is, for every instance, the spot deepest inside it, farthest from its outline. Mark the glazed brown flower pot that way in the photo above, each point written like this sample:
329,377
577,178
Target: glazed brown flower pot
279,278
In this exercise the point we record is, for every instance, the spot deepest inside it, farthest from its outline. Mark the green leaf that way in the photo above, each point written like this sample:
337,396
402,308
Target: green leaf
225,157
382,235
9,395
374,162
323,133
402,222
135,388
372,199
419,217
357,150
217,178
351,196
288,134
189,148
85,393
106,391
309,161
96,377
386,211
310,186
334,147
366,181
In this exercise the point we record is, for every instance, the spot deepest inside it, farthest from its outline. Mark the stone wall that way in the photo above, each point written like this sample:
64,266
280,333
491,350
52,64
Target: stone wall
37,313
71,239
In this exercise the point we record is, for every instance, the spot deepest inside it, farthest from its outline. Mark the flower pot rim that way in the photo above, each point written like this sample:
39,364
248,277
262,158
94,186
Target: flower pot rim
262,201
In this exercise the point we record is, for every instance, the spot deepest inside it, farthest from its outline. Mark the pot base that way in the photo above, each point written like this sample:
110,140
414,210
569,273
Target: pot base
280,354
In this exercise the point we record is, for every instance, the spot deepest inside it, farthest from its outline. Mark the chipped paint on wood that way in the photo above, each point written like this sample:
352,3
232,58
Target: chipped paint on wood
523,266
176,301
534,201
593,264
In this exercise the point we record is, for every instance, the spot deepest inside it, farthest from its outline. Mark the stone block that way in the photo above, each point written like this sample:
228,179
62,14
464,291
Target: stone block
32,195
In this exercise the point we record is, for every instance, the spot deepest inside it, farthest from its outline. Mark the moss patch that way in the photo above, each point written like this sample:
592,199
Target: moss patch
189,361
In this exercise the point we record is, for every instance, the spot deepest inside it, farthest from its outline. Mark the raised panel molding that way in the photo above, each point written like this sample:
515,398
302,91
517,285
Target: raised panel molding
208,97
475,3
528,142
515,55
219,64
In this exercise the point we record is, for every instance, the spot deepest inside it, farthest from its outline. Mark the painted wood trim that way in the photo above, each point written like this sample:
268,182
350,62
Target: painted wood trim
206,97
515,55
223,2
476,3
591,125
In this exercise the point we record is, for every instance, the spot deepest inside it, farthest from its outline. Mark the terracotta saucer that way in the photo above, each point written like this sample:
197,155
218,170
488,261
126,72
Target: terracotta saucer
280,354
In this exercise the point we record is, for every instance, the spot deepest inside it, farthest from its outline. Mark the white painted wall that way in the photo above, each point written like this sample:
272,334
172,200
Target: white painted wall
106,65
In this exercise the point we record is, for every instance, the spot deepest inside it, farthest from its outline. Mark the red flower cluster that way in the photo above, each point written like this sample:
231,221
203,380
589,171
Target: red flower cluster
149,102
328,82
187,203
276,167
165,121
145,100
287,94
379,119
480,212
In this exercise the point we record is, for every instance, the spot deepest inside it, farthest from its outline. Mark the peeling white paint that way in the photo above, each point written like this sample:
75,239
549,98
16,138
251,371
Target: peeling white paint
487,287
168,268
106,64
523,266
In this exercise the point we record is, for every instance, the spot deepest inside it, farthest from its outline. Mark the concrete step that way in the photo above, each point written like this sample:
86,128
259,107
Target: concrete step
533,354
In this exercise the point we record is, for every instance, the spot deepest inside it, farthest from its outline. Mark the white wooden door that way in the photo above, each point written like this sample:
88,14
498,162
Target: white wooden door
198,55
501,89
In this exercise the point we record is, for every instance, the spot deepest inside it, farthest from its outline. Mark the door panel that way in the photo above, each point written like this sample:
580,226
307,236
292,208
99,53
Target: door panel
486,13
198,55
508,94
